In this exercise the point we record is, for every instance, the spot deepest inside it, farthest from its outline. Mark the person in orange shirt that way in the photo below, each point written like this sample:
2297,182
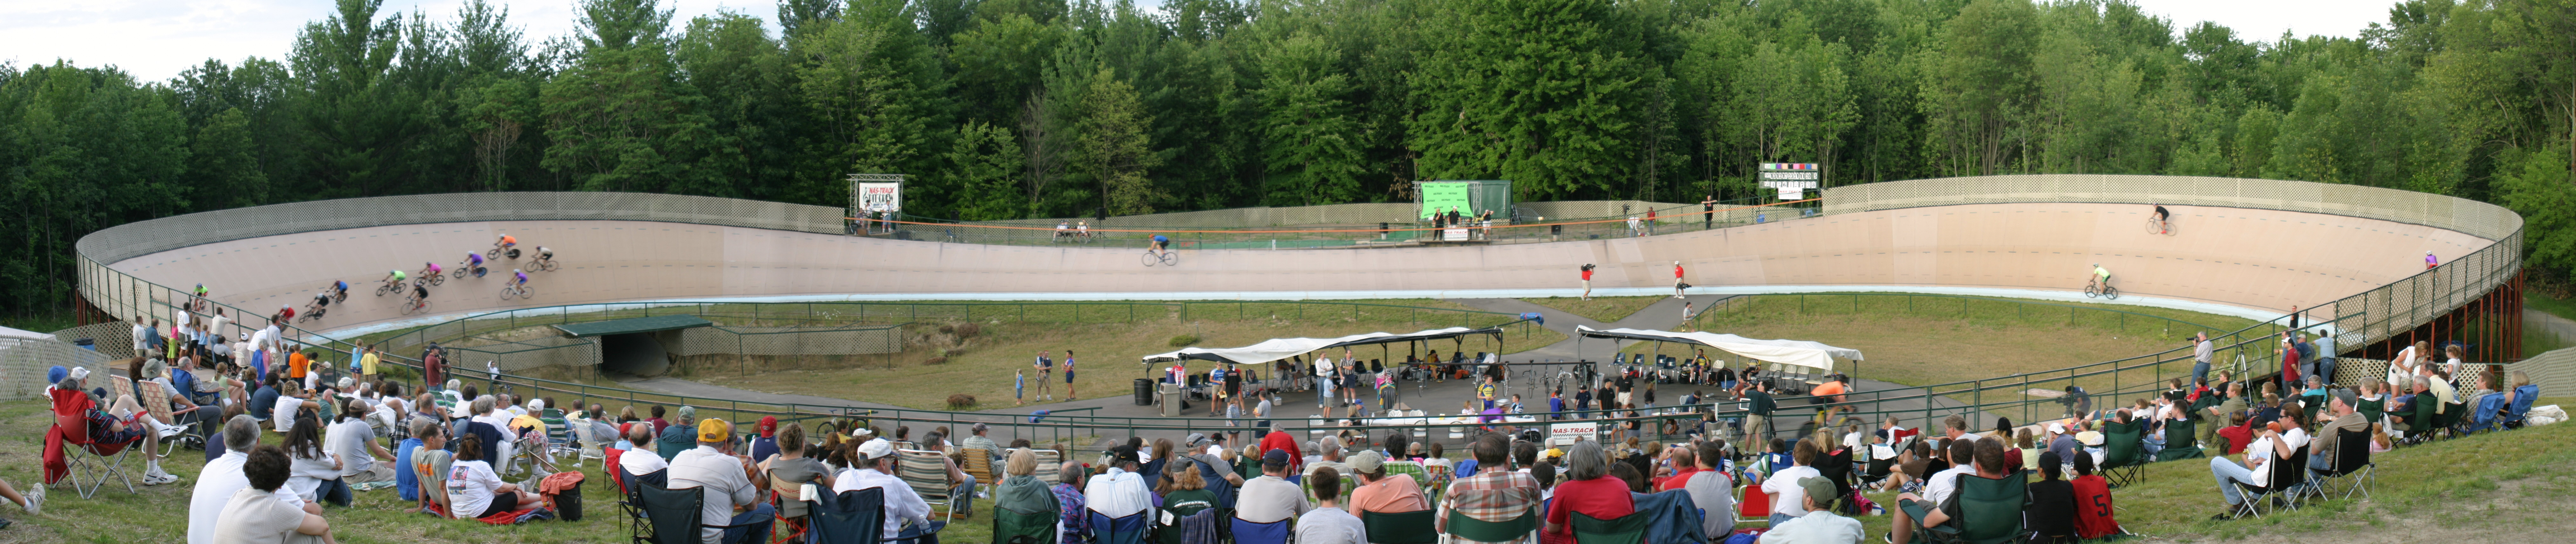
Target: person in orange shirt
295,365
1832,391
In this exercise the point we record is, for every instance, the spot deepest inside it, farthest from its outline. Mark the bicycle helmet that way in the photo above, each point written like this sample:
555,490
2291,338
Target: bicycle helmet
514,271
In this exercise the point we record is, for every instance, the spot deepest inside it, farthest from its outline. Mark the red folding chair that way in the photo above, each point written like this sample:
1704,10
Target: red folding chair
71,426
1755,507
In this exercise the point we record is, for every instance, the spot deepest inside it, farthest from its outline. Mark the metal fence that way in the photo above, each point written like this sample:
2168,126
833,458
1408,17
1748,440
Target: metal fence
23,362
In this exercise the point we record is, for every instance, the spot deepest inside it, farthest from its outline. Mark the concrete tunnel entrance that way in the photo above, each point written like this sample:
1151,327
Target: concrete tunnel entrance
640,346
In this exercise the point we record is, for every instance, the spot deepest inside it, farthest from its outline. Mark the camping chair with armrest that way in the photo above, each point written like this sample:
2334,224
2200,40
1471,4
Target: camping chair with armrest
1990,510
1416,527
2258,500
790,529
1127,529
2449,419
2180,441
558,434
2484,414
1206,526
926,473
674,514
1050,466
592,446
1015,527
156,400
978,463
2124,458
848,517
71,425
1628,529
1754,506
2352,463
1466,527
1246,532
2521,405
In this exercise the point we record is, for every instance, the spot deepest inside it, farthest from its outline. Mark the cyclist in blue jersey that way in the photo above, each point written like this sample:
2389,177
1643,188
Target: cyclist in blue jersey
522,277
340,289
1161,244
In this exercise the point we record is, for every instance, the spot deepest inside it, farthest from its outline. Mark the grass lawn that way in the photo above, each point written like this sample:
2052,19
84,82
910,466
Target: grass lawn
1602,309
2467,489
1107,354
160,513
2559,307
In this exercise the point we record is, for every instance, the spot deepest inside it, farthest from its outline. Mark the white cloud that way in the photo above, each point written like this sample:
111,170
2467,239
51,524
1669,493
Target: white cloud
156,39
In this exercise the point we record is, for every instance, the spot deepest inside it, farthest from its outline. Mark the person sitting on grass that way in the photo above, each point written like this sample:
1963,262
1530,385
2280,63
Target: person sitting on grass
2052,502
429,462
254,513
2092,502
220,478
474,491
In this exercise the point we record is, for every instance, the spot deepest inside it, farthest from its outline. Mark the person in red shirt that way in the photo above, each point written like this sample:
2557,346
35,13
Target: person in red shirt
1677,279
1587,488
2092,502
2289,363
2237,433
1279,440
1587,281
1684,465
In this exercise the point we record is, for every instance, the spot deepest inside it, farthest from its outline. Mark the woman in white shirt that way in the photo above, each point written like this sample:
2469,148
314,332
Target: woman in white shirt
313,473
474,491
2403,365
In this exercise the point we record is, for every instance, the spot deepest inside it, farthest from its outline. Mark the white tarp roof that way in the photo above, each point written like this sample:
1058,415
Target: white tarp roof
1787,352
1281,348
6,332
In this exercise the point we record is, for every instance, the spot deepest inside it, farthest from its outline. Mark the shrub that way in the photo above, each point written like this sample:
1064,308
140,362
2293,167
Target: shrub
935,361
1184,340
961,401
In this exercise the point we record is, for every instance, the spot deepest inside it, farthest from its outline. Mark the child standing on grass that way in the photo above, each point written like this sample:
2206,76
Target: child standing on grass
1019,388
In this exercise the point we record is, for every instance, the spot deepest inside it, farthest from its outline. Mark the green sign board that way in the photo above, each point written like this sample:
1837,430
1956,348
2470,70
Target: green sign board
1439,196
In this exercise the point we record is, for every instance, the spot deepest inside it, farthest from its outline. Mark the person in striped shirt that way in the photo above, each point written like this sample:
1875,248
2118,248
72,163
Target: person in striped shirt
1490,495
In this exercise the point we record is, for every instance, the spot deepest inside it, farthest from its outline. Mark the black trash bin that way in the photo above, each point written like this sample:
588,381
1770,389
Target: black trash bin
1144,392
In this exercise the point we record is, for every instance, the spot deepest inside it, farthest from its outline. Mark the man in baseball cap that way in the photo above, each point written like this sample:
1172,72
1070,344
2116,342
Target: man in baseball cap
1820,524
1271,497
725,478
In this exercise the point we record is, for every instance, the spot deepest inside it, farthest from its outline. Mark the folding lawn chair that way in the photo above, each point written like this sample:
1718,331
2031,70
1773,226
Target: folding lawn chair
1416,527
1520,529
2179,441
2285,476
1990,511
927,475
1628,529
103,460
2124,458
2352,463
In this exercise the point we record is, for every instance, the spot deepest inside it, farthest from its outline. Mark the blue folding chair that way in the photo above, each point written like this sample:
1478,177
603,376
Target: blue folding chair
1246,532
1128,529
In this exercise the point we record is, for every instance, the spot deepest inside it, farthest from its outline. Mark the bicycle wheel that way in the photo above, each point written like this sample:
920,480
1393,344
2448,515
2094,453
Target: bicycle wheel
381,290
1151,260
459,272
2091,290
526,291
437,279
2110,292
506,293
2154,226
407,306
551,265
1171,258
2172,228
493,253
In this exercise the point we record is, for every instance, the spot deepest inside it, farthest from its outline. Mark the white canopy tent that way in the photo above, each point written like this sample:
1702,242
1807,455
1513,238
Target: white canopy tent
1788,352
1281,348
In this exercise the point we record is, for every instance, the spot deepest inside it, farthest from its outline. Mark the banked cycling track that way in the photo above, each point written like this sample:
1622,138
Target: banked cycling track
2257,247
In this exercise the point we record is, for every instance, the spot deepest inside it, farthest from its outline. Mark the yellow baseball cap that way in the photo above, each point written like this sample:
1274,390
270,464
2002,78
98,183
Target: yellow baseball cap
714,430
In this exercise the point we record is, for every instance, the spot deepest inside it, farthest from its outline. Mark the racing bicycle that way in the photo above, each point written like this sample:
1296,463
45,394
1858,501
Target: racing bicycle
414,305
1165,257
521,290
2165,227
433,279
2098,288
544,264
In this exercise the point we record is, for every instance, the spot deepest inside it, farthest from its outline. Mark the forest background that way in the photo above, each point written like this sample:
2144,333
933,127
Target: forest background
1046,108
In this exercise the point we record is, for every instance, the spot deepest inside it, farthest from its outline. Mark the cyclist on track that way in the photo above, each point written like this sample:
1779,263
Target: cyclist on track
522,278
431,269
2101,276
419,296
473,260
1161,244
544,254
321,301
395,277
2162,216
340,288
285,313
506,242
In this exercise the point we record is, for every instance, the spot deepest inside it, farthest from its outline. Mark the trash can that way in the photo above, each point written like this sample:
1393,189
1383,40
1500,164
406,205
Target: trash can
1173,401
1144,392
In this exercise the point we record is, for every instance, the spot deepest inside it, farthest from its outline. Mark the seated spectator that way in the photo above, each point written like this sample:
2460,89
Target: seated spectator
2238,433
316,475
670,443
2274,442
1381,492
1493,495
217,482
1711,487
1183,490
792,467
2052,502
352,441
1820,525
1588,489
1270,497
254,513
1021,490
474,491
1915,513
907,516
961,490
428,461
2092,502
724,478
1071,514
126,423
1328,523
1783,489
642,467
1120,491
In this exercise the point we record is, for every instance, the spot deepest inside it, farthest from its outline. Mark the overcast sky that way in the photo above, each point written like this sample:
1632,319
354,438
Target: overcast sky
156,39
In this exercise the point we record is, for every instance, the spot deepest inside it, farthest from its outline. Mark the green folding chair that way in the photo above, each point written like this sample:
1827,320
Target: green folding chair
1416,527
1990,511
1467,527
1628,529
2179,441
1015,527
2124,458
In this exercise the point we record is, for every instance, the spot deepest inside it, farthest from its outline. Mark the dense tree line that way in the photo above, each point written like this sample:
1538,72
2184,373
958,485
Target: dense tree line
1039,108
